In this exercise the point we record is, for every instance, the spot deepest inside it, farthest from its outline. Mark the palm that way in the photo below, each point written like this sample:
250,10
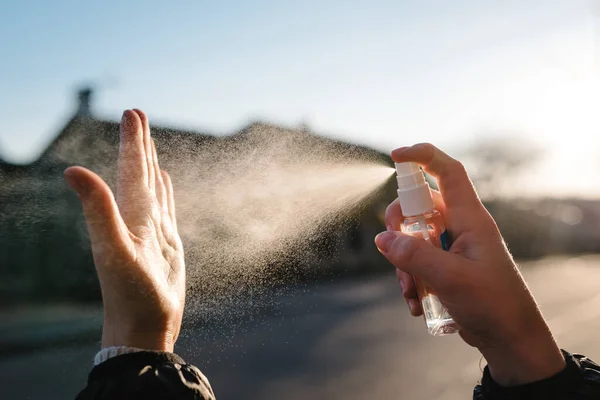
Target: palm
137,250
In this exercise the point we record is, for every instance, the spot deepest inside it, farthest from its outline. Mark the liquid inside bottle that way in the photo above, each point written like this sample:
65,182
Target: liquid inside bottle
430,227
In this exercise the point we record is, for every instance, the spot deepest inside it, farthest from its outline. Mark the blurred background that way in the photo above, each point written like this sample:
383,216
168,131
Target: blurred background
511,88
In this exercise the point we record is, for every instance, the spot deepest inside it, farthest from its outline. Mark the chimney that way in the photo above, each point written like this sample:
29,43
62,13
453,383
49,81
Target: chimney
84,97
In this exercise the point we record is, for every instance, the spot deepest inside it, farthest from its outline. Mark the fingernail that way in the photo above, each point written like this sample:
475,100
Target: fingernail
384,241
410,305
403,286
389,228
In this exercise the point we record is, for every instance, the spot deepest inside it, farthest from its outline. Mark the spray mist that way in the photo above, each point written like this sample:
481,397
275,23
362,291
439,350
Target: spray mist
422,220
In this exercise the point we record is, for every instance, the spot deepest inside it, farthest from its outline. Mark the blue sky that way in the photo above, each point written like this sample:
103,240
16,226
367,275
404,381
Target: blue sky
381,73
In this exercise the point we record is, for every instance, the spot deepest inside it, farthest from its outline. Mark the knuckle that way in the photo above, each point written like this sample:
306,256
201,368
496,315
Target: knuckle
427,150
457,167
488,223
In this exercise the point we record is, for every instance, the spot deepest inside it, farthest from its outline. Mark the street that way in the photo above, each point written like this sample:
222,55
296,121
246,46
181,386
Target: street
348,340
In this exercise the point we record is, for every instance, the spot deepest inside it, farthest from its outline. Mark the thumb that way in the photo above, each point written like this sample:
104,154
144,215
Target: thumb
99,207
417,257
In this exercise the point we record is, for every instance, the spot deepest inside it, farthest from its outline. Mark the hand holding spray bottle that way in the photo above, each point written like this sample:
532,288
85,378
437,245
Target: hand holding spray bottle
422,220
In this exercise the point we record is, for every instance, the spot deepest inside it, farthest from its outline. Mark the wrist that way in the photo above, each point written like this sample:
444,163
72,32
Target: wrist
159,341
530,358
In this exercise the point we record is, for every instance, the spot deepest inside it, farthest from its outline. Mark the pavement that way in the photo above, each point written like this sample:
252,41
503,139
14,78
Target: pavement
35,327
351,340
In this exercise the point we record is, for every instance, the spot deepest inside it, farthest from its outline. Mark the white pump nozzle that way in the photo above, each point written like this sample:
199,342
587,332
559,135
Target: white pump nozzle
413,190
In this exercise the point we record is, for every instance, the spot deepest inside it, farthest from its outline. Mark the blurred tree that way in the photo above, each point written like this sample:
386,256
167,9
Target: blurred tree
494,163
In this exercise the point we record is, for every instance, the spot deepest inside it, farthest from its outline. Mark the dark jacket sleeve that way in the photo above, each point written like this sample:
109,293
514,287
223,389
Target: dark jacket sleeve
146,375
580,380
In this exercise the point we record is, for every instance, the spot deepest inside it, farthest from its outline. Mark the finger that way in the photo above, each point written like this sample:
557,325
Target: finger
438,201
454,183
393,212
418,258
393,216
415,307
407,283
170,197
133,170
147,140
99,207
159,186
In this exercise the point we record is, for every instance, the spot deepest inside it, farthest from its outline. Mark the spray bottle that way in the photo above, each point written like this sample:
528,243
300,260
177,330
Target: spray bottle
422,220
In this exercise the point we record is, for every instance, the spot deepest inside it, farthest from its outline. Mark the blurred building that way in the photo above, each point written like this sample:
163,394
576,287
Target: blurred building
540,227
44,253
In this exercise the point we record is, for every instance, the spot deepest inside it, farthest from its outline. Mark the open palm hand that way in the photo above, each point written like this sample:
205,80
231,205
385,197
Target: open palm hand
137,251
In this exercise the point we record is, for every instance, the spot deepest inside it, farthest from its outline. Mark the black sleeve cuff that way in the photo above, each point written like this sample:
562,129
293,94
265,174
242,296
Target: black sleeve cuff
580,379
132,361
146,375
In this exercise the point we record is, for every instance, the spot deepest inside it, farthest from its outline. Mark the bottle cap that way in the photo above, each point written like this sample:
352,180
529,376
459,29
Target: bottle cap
413,190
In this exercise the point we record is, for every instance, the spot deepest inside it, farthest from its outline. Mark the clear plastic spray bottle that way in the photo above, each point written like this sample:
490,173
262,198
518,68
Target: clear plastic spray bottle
422,220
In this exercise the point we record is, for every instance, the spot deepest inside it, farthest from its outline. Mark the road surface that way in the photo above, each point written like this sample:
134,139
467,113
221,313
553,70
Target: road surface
345,340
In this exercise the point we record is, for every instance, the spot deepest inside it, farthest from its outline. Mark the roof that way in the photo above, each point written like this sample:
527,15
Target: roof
94,143
310,142
82,134
89,141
